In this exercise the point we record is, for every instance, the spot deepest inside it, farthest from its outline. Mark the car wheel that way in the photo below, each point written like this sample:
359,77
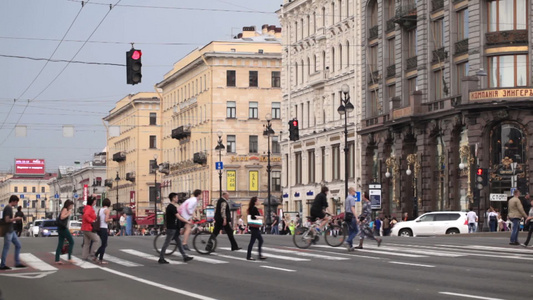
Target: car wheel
405,232
452,231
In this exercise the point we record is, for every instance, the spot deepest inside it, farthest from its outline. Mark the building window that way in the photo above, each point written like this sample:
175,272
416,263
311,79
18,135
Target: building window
33,189
276,110
231,144
231,110
437,85
412,50
462,71
412,85
253,144
372,108
504,15
391,51
298,171
276,79
153,118
16,189
373,14
253,79
462,24
311,166
276,148
153,144
24,189
230,78
391,93
152,166
508,71
351,160
323,163
276,181
253,110
336,162
438,34
373,61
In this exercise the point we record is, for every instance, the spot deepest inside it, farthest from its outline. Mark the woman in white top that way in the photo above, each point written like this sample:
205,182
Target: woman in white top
103,213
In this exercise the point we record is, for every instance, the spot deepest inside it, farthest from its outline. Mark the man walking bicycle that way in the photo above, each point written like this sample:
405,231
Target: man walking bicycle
173,232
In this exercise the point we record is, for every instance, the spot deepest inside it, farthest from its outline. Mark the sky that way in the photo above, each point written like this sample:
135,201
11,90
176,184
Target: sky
62,64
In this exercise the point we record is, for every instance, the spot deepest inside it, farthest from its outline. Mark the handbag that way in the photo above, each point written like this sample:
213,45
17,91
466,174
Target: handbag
62,224
96,223
348,216
256,223
3,228
65,247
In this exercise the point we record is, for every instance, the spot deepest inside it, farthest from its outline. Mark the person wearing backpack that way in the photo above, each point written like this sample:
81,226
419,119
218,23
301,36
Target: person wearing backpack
91,241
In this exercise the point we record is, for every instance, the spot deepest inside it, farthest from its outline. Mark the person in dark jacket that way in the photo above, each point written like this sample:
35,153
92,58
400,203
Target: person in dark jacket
19,223
223,220
256,233
320,207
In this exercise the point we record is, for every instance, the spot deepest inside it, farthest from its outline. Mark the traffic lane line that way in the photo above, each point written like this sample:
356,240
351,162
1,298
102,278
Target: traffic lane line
411,264
233,257
78,261
282,257
336,251
305,254
158,285
469,296
148,256
36,263
279,269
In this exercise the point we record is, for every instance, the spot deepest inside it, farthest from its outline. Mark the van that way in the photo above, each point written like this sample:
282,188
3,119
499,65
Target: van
74,226
34,228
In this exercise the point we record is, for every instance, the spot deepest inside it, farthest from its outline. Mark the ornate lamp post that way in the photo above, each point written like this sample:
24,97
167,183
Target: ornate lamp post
268,132
412,159
219,148
117,179
345,108
156,192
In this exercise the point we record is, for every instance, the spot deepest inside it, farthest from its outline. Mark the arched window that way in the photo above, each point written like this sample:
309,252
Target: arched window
314,63
332,59
348,54
303,73
296,74
340,57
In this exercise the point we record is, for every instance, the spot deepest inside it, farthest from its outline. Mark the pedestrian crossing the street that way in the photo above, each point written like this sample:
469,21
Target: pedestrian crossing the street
280,255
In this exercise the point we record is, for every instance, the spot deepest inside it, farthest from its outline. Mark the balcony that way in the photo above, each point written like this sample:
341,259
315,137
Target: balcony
373,77
391,71
108,182
511,37
199,158
461,47
414,108
390,25
406,15
437,4
130,176
164,168
373,32
439,55
119,156
181,132
412,63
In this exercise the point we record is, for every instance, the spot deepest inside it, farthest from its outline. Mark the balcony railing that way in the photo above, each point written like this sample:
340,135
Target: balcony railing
391,71
439,55
412,63
374,77
406,15
130,176
119,156
108,182
510,37
390,25
437,4
181,132
199,158
461,47
373,32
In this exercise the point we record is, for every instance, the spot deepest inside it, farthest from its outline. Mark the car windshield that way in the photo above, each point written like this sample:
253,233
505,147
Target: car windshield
49,223
75,224
37,223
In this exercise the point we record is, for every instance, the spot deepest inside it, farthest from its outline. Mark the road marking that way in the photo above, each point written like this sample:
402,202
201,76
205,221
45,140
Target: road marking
390,253
121,261
338,249
282,257
421,251
411,264
148,256
306,254
36,263
469,253
279,269
233,257
78,261
204,259
32,275
158,285
469,296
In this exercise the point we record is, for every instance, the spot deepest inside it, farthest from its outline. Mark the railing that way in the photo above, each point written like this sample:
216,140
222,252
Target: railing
510,37
181,132
439,55
373,32
199,158
374,77
412,62
461,47
391,71
406,15
390,25
119,156
437,4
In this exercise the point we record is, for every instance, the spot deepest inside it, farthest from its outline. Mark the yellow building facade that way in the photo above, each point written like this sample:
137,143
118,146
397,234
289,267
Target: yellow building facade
227,87
133,142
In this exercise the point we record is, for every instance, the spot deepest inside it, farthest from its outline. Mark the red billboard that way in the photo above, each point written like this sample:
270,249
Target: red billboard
29,166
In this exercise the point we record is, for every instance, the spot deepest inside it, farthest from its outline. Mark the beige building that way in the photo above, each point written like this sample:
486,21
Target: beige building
134,135
321,53
229,87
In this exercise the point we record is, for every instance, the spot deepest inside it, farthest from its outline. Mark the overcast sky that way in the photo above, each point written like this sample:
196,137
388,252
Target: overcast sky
45,96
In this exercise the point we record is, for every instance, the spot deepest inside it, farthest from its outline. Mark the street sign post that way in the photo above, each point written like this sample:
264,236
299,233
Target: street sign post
498,197
56,196
374,191
357,196
219,165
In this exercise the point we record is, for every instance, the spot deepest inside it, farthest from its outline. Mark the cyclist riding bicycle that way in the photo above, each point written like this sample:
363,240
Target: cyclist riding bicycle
319,209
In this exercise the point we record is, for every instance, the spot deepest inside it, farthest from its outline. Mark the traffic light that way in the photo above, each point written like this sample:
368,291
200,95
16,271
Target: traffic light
133,66
294,134
482,178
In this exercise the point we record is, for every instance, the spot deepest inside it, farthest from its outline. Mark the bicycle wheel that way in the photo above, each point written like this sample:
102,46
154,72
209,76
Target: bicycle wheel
302,237
334,235
200,240
159,240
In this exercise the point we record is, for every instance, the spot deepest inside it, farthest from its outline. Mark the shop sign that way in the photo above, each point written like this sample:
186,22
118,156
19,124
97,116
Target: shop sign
501,94
262,158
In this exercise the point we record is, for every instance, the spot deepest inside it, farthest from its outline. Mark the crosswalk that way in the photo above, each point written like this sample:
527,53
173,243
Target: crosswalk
278,255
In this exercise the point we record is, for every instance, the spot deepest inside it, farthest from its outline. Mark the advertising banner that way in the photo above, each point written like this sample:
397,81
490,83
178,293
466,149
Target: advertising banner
231,179
29,166
254,181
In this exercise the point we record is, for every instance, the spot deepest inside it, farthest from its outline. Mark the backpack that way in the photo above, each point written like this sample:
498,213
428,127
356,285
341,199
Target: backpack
96,223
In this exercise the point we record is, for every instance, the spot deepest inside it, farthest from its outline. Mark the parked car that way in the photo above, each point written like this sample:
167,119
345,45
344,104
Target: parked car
48,228
75,227
34,228
433,223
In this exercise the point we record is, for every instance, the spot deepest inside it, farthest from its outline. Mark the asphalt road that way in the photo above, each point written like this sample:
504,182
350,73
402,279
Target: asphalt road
480,266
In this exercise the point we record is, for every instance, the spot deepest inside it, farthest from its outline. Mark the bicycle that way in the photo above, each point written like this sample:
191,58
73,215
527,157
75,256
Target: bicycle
305,236
200,239
159,240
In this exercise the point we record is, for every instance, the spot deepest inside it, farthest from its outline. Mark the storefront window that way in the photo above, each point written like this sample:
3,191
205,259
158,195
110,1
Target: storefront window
508,141
508,71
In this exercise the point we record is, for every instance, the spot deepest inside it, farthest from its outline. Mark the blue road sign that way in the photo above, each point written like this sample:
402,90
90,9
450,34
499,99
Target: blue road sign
56,196
76,196
38,196
357,196
21,196
219,165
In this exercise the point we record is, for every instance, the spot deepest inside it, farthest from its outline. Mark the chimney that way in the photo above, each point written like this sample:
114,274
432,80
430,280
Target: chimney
277,33
271,29
264,29
248,31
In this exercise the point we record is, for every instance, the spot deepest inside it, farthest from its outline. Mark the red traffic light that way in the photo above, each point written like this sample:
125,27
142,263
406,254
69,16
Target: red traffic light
136,54
479,171
295,123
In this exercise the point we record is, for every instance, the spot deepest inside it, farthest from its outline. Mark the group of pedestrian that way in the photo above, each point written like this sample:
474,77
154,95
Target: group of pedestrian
95,234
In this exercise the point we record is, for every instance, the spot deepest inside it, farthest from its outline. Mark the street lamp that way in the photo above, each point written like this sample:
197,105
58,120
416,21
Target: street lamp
268,132
345,108
155,167
412,159
219,148
117,179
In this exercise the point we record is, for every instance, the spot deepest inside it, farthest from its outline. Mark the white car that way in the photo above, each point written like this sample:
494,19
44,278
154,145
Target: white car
34,228
433,223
